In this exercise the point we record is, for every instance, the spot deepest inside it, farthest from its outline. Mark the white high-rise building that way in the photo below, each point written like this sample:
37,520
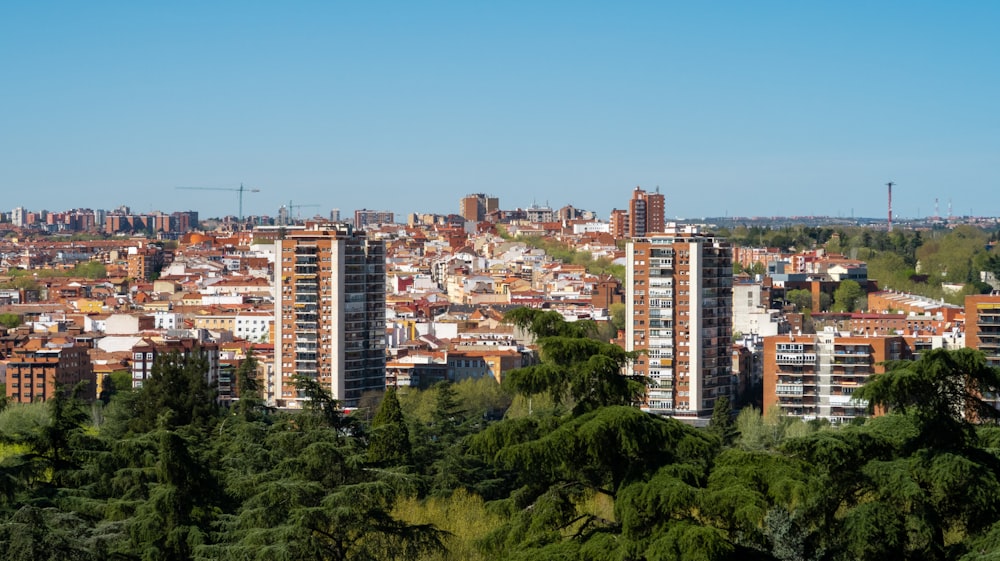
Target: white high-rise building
19,217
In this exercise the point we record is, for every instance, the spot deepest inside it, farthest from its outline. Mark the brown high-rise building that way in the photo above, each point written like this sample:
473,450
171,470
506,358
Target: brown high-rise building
678,303
646,212
329,313
645,215
618,223
476,207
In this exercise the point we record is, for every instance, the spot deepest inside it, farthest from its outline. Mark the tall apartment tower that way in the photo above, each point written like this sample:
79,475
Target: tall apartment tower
679,294
646,212
329,313
476,207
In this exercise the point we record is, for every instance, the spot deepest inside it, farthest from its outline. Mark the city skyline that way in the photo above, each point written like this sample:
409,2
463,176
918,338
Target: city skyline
740,110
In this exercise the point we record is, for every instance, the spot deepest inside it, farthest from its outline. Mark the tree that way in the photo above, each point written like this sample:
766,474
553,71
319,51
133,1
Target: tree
251,400
90,269
800,298
944,390
617,312
176,517
10,321
722,424
848,297
573,365
177,384
389,444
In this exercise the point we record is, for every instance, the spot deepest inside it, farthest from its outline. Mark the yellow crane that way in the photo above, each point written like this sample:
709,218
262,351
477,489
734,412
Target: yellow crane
239,192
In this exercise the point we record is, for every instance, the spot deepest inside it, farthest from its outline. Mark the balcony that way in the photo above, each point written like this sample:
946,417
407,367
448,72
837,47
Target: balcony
795,359
792,390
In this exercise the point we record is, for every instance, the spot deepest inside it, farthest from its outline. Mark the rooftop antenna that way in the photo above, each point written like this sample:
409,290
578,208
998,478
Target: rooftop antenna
890,184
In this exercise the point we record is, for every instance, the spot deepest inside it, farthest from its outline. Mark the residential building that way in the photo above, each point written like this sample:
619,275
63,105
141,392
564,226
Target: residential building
365,217
982,325
144,261
476,207
646,212
751,315
329,313
814,376
44,365
679,287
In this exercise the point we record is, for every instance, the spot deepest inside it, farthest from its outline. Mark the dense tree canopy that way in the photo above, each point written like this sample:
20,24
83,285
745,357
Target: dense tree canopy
443,474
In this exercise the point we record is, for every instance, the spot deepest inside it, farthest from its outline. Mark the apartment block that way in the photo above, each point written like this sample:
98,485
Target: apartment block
679,292
329,313
645,215
365,217
646,212
814,376
42,366
476,207
982,325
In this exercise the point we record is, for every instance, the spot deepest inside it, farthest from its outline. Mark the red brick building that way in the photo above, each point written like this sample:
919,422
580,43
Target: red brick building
42,366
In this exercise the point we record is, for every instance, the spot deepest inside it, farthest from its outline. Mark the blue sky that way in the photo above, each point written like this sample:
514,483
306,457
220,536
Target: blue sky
730,108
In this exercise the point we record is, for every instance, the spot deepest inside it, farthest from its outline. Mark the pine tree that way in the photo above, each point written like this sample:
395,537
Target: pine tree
389,443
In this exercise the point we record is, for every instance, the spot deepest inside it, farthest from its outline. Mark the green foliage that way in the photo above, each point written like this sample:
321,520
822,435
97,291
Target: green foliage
849,297
573,366
722,424
601,482
943,391
90,269
389,443
617,313
10,321
800,298
177,391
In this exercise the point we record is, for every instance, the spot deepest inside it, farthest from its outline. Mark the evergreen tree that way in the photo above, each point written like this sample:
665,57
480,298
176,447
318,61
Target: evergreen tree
722,424
179,385
389,443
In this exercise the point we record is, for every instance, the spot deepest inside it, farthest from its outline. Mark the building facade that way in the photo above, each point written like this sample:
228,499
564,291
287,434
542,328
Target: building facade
477,206
329,314
43,366
814,376
365,217
982,325
646,212
679,300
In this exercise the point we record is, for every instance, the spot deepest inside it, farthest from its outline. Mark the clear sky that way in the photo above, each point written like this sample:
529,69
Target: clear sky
730,108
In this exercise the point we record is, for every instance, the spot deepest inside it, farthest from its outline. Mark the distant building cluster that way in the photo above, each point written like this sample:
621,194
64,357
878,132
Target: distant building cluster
362,305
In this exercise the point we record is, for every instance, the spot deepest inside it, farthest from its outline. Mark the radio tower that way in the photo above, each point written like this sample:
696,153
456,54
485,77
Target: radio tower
890,184
937,213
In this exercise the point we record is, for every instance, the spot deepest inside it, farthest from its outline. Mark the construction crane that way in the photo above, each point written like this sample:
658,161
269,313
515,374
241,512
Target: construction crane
291,208
239,192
